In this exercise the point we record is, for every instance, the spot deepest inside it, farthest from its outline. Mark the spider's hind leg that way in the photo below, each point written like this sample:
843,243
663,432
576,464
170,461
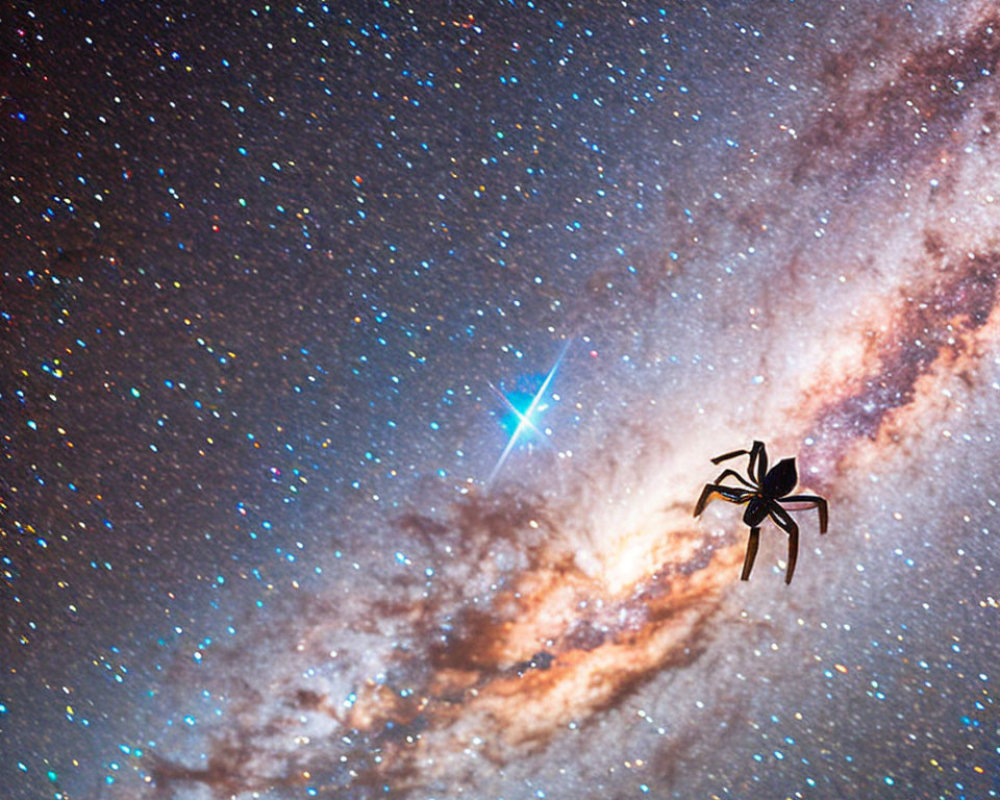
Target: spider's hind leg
793,551
784,521
815,500
752,544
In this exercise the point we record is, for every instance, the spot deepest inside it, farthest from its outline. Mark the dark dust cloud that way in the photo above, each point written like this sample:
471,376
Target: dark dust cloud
362,364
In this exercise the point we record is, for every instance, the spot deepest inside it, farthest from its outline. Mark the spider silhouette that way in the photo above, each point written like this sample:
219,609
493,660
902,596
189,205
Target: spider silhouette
766,491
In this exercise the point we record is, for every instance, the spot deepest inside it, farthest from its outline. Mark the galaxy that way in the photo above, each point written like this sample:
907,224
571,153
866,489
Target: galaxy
364,362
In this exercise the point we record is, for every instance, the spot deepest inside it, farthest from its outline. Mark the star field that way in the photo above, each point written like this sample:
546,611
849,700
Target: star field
362,364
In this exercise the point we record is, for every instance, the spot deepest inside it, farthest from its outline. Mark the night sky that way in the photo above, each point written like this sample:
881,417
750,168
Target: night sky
362,363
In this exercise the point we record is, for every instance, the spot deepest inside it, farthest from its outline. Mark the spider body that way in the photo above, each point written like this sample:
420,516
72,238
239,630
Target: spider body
765,491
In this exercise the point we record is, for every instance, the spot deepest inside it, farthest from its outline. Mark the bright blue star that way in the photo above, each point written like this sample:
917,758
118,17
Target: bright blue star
525,415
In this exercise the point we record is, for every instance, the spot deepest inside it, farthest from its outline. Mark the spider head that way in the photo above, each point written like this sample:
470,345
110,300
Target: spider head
781,479
756,512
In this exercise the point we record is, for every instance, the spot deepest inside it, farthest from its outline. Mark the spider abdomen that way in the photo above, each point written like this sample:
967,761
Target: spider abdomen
781,479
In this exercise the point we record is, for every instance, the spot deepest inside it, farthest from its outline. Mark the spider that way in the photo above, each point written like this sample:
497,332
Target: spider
764,495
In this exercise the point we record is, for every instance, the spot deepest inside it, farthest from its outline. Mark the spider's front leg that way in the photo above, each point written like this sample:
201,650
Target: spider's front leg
729,455
757,467
727,472
712,490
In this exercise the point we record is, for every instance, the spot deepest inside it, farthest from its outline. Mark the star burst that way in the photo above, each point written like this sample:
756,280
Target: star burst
525,416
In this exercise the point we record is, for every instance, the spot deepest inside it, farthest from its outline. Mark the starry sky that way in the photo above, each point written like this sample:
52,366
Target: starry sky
363,362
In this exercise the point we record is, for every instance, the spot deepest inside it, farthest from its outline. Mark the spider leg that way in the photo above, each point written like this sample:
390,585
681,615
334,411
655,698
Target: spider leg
752,544
727,456
817,501
793,552
784,521
736,475
758,458
733,494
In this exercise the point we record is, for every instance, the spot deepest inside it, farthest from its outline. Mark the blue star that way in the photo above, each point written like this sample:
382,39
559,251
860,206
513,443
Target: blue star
525,412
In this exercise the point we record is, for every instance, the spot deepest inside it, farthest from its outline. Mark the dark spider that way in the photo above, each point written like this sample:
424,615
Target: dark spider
764,491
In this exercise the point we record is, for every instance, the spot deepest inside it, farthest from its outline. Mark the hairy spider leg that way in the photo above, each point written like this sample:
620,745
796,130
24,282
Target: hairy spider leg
752,544
732,494
784,521
736,475
817,502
